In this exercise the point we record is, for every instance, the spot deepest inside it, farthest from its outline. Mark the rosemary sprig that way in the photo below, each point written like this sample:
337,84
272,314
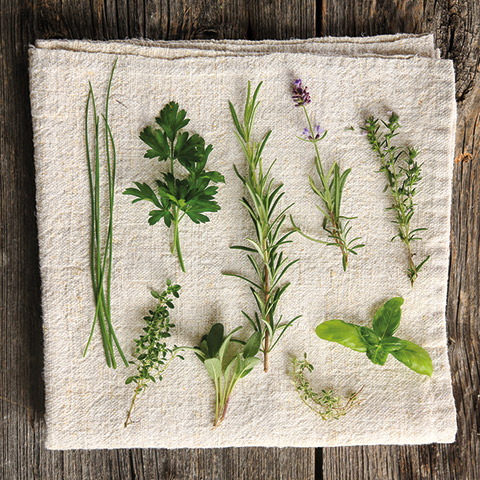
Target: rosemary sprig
403,174
101,282
330,189
325,404
152,354
263,252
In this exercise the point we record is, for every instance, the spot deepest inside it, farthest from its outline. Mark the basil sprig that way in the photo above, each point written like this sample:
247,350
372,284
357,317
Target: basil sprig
378,342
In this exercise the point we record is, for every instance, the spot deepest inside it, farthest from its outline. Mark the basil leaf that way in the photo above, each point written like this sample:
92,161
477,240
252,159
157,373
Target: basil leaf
377,355
415,357
215,339
369,336
387,318
346,334
392,344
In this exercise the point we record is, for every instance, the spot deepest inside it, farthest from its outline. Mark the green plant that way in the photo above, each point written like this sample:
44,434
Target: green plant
403,176
330,189
193,195
225,371
378,342
101,262
264,252
325,404
152,354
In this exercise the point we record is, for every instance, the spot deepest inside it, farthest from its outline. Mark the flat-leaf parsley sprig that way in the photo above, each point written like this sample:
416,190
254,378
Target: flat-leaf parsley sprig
153,355
330,189
193,195
403,176
326,404
265,251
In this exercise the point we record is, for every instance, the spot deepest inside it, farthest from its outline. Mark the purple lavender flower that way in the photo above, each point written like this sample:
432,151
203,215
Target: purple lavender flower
318,132
300,94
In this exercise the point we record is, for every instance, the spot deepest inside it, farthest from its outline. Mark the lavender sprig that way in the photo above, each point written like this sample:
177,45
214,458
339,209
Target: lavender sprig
331,186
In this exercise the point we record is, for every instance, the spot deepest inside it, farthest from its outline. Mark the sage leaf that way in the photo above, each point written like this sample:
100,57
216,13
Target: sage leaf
387,318
215,339
346,334
214,368
253,345
415,357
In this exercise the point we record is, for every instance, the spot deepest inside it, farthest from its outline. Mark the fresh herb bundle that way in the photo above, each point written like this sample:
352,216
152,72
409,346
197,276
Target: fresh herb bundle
224,370
264,252
193,195
153,355
325,404
101,262
330,189
378,342
403,176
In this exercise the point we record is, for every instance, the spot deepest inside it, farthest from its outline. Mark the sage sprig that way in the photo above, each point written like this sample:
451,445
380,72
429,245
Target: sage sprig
403,174
265,251
101,261
330,189
215,354
326,404
193,195
378,342
152,354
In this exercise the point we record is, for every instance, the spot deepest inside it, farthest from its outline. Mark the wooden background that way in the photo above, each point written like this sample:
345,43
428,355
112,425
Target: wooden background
456,24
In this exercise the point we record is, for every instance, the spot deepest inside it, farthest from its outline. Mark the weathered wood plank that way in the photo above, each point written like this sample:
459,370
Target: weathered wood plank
457,29
22,428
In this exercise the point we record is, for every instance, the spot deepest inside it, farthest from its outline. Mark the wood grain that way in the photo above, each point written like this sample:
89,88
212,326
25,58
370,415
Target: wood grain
456,25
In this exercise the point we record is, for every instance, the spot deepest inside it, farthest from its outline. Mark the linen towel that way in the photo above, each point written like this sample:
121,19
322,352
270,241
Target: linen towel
349,79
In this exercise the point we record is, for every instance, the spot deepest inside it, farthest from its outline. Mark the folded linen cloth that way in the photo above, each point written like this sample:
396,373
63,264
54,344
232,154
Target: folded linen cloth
349,79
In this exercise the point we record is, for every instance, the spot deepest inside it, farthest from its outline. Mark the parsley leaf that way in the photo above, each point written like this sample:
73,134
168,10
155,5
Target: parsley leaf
193,195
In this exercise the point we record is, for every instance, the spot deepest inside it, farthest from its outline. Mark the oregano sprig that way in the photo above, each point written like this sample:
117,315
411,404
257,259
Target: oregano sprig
378,342
403,174
264,252
326,404
193,195
152,354
330,189
224,367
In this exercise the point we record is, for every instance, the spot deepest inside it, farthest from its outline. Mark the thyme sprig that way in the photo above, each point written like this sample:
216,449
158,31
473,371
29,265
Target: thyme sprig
330,189
326,404
403,174
152,354
101,262
263,252
193,196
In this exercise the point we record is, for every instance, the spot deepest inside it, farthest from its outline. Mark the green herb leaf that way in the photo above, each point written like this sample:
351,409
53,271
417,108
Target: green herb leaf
346,334
215,339
172,120
377,354
214,368
415,357
392,344
370,337
252,346
157,142
387,318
